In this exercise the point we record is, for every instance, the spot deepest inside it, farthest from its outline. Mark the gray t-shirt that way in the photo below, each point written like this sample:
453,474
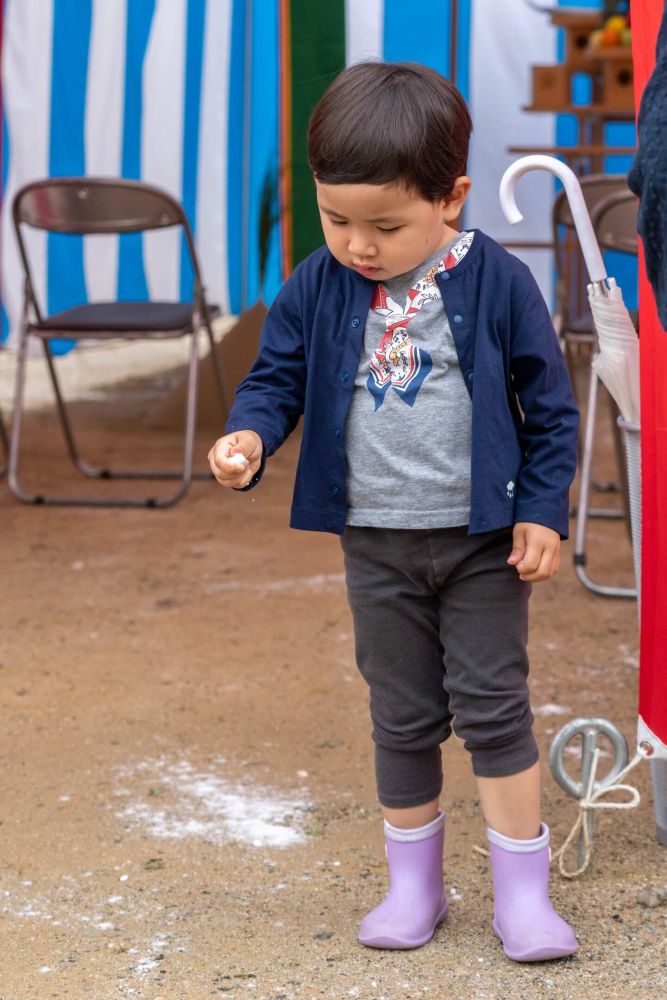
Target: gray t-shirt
408,431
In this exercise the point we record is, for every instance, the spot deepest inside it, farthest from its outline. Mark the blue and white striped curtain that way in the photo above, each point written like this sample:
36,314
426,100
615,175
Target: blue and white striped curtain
156,90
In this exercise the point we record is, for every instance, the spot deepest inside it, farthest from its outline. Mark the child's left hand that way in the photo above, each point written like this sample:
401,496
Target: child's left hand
535,551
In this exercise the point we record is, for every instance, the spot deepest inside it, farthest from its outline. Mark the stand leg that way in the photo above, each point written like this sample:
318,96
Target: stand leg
659,779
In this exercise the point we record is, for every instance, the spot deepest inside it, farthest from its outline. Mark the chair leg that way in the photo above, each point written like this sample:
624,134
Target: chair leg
80,463
185,475
583,512
87,468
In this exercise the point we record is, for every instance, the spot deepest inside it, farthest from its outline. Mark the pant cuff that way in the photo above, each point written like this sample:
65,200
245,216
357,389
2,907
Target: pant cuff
413,799
516,755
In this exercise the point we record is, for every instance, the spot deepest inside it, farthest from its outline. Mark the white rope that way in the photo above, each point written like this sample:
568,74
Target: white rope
590,801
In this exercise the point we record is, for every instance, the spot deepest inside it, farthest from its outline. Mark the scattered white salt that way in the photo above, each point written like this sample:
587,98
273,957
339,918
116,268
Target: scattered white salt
204,804
302,774
551,709
45,968
322,581
123,878
64,798
237,459
115,899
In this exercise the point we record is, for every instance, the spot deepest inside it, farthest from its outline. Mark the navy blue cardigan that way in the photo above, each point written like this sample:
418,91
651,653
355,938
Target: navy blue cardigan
523,453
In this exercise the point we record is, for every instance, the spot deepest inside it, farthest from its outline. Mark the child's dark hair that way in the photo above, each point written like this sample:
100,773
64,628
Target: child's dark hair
380,123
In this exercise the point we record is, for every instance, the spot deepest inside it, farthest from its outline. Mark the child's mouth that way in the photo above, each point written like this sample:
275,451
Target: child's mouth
367,270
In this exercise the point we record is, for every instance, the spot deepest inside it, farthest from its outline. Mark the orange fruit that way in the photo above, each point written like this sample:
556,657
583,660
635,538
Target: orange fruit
609,38
616,23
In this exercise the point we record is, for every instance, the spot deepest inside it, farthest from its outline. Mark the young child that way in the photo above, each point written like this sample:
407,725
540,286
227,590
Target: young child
439,439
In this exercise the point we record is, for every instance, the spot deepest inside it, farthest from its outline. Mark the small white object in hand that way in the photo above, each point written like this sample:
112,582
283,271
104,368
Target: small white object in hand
238,459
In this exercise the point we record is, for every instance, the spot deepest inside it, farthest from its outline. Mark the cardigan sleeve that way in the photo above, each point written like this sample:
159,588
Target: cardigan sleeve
548,433
270,398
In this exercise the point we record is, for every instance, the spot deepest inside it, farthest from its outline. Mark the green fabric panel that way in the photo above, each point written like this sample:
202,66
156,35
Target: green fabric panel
318,55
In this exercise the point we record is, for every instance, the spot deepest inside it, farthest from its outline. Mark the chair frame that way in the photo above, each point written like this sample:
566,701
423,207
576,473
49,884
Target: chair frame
37,205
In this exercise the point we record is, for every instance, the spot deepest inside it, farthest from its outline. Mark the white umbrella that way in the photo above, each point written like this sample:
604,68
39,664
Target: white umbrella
617,363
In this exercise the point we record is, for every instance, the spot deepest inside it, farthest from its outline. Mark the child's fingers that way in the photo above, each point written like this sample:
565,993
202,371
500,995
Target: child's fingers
531,561
518,545
228,463
516,555
547,566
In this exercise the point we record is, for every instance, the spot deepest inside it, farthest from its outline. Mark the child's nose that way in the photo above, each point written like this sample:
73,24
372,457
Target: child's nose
360,246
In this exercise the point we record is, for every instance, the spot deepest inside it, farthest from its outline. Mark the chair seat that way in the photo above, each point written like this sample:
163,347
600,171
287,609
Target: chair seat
582,325
120,319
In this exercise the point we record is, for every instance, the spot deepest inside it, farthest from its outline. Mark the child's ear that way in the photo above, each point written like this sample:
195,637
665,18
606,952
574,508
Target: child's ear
453,203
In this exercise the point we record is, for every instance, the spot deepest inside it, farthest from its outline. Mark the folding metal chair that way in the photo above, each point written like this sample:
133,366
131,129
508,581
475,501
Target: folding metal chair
614,220
86,206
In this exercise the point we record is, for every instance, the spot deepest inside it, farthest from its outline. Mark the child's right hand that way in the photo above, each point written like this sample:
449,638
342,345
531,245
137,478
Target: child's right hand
226,454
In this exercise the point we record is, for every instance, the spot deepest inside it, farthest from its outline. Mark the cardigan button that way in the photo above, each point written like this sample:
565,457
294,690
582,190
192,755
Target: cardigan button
470,376
334,491
355,322
338,434
344,376
458,318
446,275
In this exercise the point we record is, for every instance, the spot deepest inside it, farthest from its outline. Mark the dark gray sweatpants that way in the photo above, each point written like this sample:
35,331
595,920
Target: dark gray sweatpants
441,625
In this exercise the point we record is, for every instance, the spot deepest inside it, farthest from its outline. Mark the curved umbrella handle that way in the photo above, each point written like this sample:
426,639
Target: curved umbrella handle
582,220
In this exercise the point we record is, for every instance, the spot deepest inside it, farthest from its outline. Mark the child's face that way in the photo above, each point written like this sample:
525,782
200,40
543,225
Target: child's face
381,230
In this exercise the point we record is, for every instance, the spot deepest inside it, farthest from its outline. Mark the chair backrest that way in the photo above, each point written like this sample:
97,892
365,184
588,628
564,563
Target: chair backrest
594,187
91,205
614,220
571,274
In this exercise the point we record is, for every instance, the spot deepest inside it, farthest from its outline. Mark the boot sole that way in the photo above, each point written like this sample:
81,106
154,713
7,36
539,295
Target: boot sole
393,944
537,954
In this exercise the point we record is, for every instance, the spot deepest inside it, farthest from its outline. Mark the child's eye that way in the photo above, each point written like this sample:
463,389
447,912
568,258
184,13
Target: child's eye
394,229
335,222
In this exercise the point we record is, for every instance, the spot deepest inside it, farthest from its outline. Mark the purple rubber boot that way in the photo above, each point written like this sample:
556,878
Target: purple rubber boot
416,902
523,917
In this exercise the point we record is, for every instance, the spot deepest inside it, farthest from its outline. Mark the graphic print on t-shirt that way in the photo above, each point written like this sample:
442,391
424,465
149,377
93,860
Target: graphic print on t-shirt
396,361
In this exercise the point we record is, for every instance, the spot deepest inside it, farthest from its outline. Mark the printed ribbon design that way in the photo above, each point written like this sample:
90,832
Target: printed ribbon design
396,361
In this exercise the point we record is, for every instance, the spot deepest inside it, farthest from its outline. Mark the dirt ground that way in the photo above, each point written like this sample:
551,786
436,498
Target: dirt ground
187,804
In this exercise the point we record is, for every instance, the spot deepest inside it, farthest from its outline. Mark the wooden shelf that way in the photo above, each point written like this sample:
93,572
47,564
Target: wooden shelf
619,53
576,19
583,110
595,150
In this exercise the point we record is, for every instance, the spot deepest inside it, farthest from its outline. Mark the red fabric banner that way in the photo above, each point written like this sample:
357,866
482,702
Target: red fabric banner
646,16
